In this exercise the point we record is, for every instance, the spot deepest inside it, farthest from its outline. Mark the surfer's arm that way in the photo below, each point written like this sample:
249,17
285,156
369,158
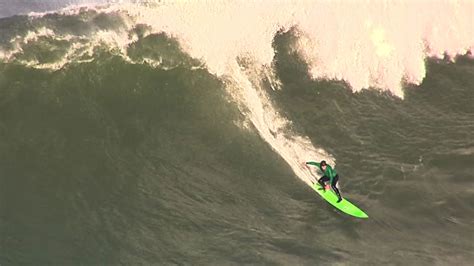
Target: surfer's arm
313,163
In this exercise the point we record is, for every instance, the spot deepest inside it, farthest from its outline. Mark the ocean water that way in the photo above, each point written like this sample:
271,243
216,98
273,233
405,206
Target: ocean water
173,132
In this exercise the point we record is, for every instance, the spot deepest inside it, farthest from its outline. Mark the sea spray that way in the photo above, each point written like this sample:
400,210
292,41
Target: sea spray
246,89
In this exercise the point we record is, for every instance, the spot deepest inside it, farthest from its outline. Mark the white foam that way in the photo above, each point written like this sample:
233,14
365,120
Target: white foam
366,43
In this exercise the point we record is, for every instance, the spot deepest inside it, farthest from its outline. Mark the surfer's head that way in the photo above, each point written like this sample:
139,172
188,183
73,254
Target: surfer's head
323,164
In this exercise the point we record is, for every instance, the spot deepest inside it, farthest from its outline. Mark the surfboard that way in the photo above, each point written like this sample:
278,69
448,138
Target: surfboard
344,206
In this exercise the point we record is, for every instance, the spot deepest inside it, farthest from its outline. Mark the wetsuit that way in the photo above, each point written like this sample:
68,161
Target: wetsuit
329,175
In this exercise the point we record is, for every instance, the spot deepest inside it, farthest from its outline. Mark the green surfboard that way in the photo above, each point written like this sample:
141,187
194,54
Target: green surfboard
345,205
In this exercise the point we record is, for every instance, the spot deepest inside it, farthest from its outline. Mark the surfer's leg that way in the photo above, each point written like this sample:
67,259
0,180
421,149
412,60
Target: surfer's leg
334,187
322,180
337,193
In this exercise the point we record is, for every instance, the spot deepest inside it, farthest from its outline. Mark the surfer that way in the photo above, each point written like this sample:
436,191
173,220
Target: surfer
330,175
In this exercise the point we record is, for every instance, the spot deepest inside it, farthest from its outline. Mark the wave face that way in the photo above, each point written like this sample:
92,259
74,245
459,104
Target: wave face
173,132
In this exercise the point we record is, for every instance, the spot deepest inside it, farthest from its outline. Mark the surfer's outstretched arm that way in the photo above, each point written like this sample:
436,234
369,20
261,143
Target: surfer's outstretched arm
311,172
313,163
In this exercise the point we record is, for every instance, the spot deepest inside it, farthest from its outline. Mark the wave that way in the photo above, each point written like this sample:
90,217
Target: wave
111,118
368,45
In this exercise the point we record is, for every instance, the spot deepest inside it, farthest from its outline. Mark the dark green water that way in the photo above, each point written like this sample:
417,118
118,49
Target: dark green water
109,162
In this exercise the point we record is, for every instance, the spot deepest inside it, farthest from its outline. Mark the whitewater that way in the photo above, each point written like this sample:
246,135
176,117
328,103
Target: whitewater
377,44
